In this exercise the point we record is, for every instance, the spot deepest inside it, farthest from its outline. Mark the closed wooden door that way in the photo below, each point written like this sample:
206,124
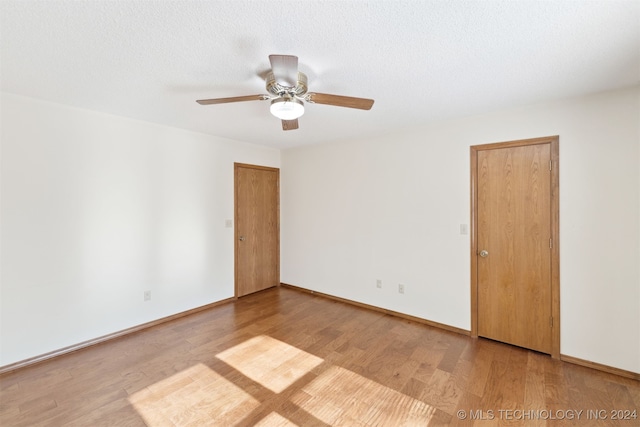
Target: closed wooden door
257,247
514,244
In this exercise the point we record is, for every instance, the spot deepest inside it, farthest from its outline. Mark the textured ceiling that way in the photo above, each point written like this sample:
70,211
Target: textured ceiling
421,61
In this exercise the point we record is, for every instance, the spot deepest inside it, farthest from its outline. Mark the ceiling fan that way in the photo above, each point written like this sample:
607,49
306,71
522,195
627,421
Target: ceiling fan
287,89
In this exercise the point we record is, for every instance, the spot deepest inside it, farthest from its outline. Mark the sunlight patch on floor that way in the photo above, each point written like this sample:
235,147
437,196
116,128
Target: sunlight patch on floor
333,395
196,396
340,397
275,420
270,362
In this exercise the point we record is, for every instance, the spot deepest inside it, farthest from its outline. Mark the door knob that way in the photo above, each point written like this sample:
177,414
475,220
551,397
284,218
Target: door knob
241,238
484,254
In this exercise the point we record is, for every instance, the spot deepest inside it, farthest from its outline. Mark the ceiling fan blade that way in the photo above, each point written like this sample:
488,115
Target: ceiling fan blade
232,99
285,69
339,100
290,124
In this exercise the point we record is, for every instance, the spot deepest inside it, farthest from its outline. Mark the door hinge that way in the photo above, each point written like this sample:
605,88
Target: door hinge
550,243
550,165
551,321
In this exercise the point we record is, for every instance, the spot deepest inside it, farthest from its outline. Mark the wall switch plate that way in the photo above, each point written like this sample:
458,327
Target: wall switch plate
464,229
378,283
147,295
228,223
401,288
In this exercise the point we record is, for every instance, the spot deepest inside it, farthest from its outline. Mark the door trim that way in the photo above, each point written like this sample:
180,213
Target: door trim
236,232
555,231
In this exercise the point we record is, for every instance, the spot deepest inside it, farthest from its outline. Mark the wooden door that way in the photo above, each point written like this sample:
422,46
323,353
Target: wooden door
257,231
514,242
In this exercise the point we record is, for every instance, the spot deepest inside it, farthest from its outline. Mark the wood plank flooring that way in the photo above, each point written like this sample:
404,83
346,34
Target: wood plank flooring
283,357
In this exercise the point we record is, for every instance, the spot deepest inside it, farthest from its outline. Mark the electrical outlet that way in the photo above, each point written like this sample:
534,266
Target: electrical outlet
147,295
378,283
401,288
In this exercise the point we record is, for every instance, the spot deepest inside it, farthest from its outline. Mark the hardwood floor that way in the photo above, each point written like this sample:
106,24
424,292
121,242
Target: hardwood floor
283,357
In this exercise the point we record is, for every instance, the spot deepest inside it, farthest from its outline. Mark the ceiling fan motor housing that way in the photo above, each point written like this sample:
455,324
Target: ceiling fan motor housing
278,89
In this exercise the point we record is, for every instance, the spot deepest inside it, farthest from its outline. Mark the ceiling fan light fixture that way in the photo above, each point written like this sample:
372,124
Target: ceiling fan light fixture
287,108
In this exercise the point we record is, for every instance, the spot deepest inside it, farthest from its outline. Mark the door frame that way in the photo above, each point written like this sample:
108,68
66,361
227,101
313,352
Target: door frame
555,231
236,231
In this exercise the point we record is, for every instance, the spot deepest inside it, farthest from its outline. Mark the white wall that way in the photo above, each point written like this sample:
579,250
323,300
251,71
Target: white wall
96,209
390,208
